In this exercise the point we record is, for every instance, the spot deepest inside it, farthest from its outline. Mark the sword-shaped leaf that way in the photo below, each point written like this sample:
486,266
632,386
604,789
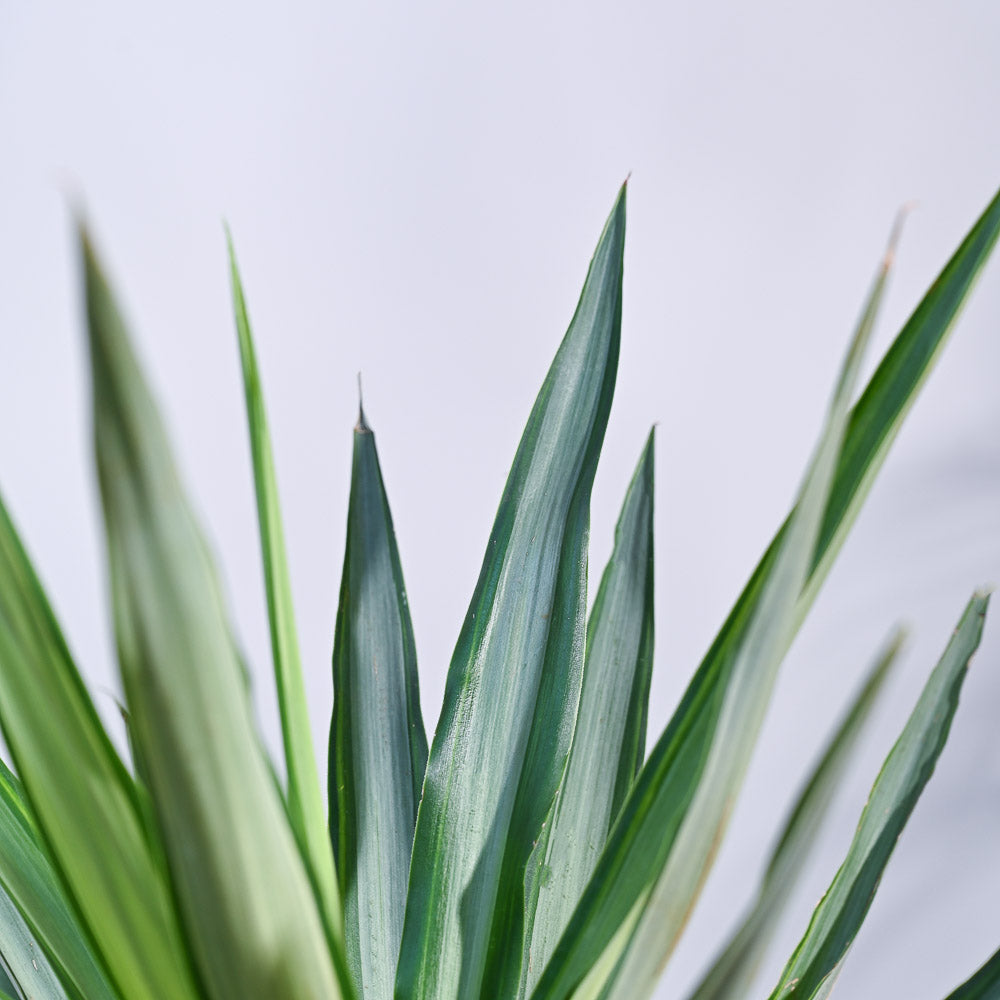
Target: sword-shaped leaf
513,685
244,895
378,750
609,738
744,700
28,879
816,962
641,839
984,984
732,974
84,801
305,798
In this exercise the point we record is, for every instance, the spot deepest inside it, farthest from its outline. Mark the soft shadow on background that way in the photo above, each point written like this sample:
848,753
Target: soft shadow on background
415,193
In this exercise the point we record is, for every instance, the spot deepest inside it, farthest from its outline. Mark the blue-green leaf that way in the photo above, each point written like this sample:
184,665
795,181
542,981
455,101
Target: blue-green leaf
732,974
816,962
27,966
378,750
641,840
609,738
743,701
513,685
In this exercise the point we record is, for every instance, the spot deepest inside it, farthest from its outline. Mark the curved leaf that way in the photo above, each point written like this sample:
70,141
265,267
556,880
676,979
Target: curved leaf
732,974
744,700
513,685
816,962
641,839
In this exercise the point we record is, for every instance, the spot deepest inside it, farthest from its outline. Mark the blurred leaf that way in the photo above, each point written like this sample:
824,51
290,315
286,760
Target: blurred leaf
249,912
984,985
82,797
378,750
609,738
641,839
30,882
305,798
732,974
816,962
513,686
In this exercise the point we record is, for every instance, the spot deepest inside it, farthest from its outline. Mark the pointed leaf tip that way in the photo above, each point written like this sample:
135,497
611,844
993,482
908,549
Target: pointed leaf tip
362,426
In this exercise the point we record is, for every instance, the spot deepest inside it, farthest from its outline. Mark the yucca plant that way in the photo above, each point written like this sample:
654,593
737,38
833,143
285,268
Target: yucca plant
534,850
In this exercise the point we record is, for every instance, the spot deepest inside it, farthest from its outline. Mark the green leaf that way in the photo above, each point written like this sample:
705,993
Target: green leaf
641,839
27,967
86,806
378,750
816,962
305,798
984,984
7,988
609,738
672,829
513,685
744,700
249,912
732,974
30,882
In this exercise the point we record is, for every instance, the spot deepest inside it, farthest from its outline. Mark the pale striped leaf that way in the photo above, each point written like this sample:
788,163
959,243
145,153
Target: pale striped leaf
378,750
513,686
744,700
609,738
731,975
816,962
27,967
249,911
641,840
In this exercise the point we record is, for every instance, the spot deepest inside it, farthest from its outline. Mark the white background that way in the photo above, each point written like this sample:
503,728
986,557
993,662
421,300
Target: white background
415,191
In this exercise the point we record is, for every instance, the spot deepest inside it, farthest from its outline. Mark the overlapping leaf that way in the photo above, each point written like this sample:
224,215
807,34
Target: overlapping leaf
81,795
609,738
29,881
814,966
305,799
27,965
513,686
249,912
378,750
731,975
641,840
743,702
